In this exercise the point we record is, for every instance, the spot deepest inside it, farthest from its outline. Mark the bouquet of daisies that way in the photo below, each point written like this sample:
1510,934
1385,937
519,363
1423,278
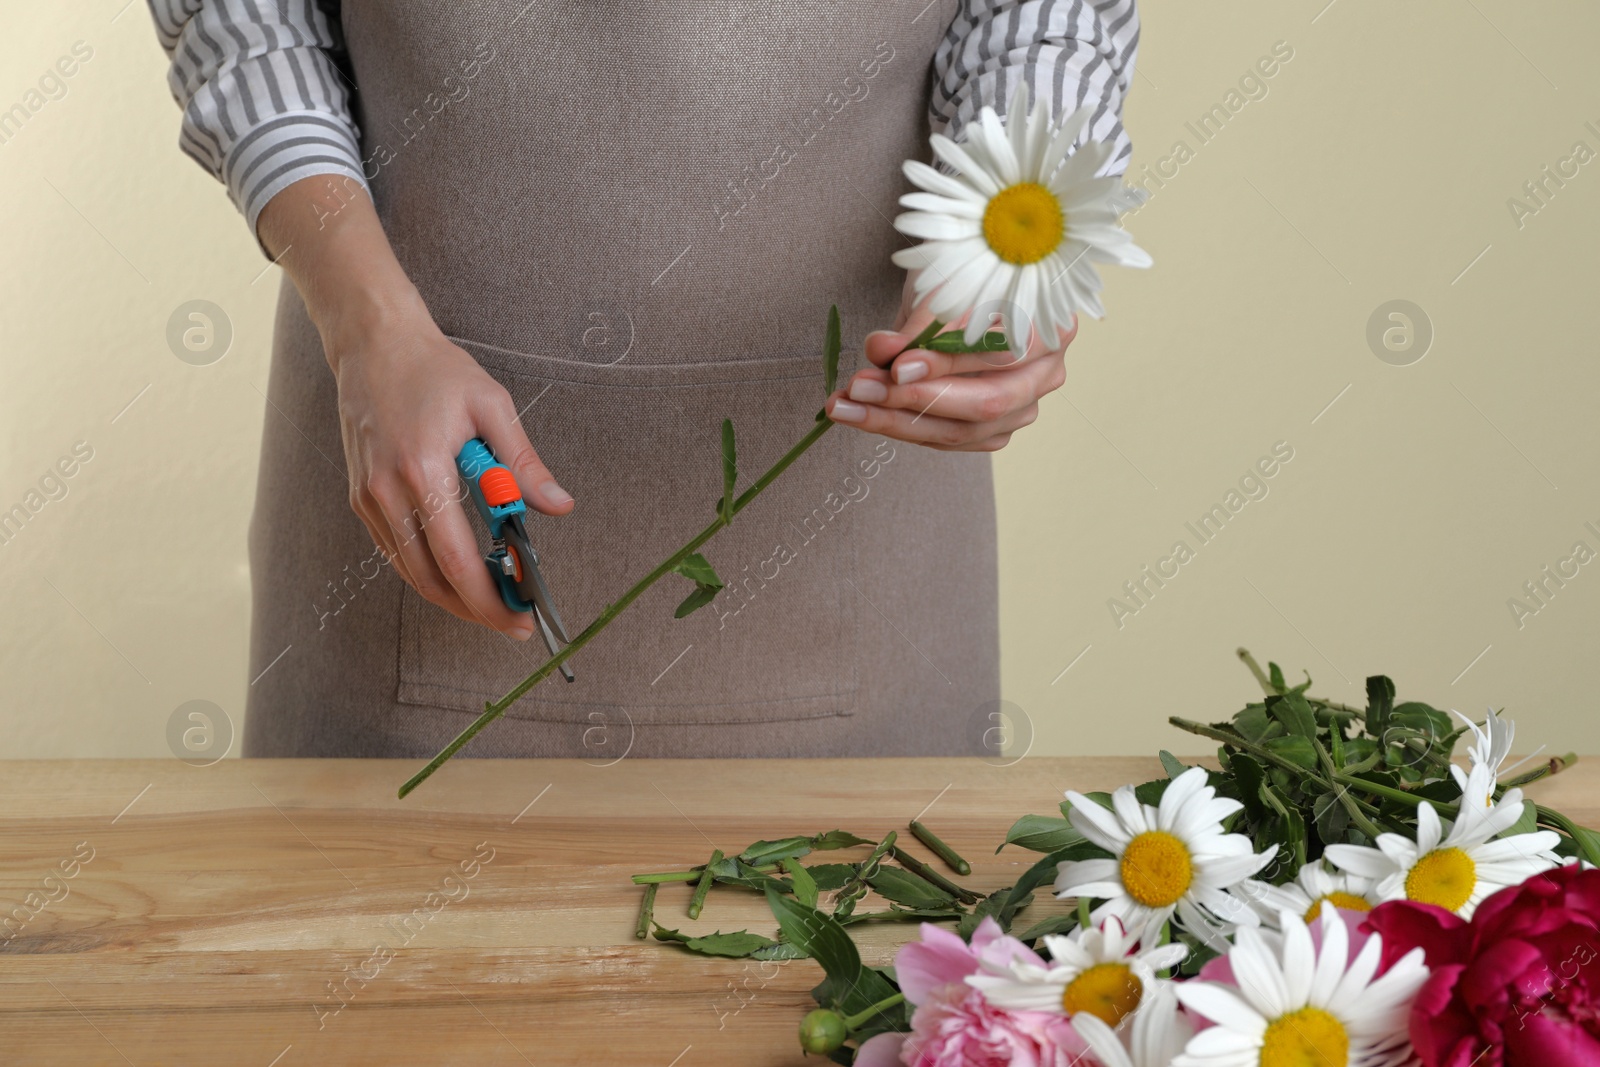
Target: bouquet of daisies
1338,892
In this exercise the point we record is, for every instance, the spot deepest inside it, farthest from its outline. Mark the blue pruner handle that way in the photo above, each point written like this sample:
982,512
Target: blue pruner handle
494,491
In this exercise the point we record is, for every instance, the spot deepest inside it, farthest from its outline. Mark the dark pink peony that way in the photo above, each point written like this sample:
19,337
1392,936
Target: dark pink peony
1518,986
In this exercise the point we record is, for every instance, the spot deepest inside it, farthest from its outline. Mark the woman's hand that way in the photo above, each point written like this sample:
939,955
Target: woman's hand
956,403
408,401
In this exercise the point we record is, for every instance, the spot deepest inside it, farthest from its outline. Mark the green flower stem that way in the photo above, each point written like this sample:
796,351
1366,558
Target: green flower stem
666,876
928,874
493,711
725,515
950,856
1399,795
855,1022
691,875
1364,824
1260,752
1255,669
646,912
1267,687
1585,845
698,901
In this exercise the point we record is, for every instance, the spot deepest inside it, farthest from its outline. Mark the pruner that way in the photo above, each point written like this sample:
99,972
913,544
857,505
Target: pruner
512,562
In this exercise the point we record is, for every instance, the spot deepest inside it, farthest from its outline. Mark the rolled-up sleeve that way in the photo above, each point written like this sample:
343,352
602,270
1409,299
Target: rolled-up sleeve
264,100
1072,54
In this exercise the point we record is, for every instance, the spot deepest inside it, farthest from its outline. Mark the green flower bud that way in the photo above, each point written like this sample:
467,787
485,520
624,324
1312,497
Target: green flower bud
822,1031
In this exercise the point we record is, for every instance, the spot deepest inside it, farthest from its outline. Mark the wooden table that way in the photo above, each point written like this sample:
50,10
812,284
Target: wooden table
279,913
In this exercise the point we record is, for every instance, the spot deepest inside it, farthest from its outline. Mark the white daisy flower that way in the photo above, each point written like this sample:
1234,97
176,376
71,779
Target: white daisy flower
1298,1003
1314,886
1174,858
1455,872
1104,972
1490,748
1157,1033
1010,226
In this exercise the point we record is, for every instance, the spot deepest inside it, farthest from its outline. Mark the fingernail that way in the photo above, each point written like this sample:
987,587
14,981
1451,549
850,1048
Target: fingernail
881,333
522,631
554,495
912,370
844,411
868,391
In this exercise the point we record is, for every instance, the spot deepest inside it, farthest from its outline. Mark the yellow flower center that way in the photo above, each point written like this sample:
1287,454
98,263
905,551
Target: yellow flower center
1309,1037
1347,901
1023,223
1445,876
1108,991
1156,869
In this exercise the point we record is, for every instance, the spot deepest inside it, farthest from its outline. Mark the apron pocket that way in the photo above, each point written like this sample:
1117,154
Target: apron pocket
639,446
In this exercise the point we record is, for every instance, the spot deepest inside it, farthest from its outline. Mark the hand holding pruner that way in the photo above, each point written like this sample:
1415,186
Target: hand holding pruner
512,562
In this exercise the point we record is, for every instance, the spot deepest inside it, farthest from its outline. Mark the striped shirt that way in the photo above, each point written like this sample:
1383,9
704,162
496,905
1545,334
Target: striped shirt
265,91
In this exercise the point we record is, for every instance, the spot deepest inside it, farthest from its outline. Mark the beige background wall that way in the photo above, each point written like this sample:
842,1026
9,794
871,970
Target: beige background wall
1375,165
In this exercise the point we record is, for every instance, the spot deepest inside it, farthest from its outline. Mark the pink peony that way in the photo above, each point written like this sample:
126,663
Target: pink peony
1518,986
952,1025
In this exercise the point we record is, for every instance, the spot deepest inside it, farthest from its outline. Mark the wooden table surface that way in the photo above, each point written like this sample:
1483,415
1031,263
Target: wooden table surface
279,913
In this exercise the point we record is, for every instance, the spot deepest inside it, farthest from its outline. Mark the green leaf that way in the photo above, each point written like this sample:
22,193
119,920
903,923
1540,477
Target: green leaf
1380,701
1055,924
837,839
706,583
831,876
736,945
1039,874
850,987
780,951
805,887
1588,843
1295,713
1529,821
1275,676
903,887
1253,722
1296,750
830,352
1151,792
1249,775
983,909
761,853
1172,764
1433,726
1041,833
1330,817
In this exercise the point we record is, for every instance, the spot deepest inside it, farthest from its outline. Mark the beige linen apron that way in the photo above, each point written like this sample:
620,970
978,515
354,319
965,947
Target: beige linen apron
635,217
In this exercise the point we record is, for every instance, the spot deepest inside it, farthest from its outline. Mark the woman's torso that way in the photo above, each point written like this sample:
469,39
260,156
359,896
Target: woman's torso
635,217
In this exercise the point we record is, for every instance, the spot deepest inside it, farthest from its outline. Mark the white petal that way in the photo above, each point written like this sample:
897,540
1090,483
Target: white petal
1129,810
1102,1039
1299,959
1222,1006
936,181
953,154
919,257
1259,975
1061,143
1428,829
935,227
943,205
1359,859
998,145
